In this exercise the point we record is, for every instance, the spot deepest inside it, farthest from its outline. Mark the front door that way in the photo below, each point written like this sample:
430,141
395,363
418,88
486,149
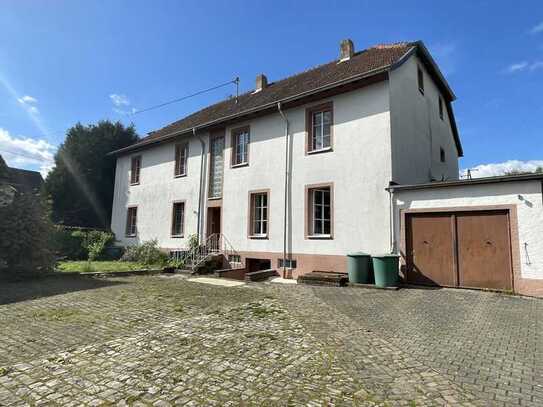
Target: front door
213,221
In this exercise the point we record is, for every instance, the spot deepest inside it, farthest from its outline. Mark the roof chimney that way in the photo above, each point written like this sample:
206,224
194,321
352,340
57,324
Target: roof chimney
261,82
346,50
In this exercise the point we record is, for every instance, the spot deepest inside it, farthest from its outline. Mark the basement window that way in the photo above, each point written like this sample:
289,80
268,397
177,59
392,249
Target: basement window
234,258
420,79
288,263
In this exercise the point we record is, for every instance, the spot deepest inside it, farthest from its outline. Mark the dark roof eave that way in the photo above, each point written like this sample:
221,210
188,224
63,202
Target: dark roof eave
266,106
464,182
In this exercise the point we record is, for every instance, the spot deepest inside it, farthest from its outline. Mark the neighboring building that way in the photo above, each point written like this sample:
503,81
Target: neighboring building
13,180
296,169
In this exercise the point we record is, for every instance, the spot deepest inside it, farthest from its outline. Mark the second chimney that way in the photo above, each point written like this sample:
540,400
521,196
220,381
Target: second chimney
261,82
346,50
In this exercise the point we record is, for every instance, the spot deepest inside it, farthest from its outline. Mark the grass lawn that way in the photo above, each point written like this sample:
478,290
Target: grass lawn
109,266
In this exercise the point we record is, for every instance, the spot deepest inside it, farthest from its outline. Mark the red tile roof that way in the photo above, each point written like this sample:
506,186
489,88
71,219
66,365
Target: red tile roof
362,64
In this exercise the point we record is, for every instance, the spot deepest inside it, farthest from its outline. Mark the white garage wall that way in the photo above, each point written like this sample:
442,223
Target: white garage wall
525,195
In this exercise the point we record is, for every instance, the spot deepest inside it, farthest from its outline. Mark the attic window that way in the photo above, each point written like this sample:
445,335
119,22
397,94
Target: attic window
420,79
440,108
442,157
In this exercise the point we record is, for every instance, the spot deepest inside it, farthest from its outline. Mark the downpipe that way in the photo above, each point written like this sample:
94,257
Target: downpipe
202,155
287,173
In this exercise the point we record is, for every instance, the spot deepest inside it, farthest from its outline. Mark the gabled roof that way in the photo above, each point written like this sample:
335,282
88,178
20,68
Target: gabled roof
364,64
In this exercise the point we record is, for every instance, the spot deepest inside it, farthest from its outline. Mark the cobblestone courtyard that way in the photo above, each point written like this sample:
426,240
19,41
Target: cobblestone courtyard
164,340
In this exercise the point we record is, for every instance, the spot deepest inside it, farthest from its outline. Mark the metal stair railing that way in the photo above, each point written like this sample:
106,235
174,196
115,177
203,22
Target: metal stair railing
215,244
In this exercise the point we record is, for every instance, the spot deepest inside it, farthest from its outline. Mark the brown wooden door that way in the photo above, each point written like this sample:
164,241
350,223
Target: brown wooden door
484,250
462,249
430,249
213,220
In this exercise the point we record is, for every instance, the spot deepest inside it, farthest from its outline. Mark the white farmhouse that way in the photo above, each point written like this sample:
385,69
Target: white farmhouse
298,168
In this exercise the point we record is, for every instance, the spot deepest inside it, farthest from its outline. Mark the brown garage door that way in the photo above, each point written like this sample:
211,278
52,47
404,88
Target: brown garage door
464,249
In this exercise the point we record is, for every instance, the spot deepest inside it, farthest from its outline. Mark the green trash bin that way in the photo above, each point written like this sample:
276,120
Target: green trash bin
386,269
358,267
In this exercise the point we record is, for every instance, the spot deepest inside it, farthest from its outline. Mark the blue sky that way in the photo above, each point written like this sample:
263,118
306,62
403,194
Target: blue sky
61,62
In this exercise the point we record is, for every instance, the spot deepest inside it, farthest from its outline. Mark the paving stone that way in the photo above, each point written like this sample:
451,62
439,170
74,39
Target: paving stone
154,340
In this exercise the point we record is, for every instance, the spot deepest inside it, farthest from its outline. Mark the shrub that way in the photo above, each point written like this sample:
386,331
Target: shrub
25,231
193,242
69,244
145,253
80,244
96,243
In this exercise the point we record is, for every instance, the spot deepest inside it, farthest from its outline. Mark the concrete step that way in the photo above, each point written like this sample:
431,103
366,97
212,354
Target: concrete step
324,278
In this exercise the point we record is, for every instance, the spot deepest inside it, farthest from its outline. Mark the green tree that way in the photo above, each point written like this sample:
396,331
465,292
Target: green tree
81,184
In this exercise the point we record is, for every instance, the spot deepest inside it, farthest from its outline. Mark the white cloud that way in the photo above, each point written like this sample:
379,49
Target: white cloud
537,29
119,100
29,103
21,152
524,66
495,169
520,66
27,99
121,104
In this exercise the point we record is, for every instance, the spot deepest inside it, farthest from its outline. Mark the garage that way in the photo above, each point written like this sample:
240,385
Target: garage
483,233
459,249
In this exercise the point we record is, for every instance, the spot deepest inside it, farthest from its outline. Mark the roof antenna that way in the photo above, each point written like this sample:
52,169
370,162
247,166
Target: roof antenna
236,81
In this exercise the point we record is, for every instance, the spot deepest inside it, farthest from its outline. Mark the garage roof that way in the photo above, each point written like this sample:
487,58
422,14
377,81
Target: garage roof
464,182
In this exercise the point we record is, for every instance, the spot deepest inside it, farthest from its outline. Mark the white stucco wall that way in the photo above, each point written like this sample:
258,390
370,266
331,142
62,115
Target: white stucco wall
525,195
359,167
417,130
155,194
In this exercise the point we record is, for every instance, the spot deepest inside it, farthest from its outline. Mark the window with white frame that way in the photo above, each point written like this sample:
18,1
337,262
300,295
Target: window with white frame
320,212
131,220
181,155
178,219
259,215
240,146
321,129
135,169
